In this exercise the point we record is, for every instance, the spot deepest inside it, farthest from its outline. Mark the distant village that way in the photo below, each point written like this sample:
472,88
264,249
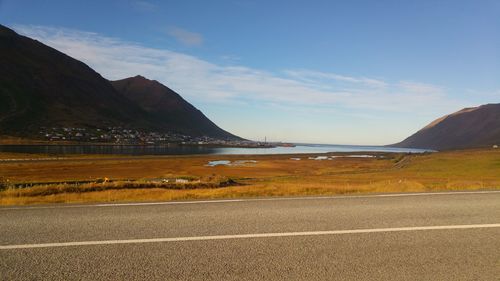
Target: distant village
124,136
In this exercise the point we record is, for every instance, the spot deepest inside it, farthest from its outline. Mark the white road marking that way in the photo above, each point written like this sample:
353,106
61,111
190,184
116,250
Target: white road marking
247,236
255,200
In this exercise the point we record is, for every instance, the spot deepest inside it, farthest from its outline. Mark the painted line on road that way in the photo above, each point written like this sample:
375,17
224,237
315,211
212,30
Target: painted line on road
255,200
247,236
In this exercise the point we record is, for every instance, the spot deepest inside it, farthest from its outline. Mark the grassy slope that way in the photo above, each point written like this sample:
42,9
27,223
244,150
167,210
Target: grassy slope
271,176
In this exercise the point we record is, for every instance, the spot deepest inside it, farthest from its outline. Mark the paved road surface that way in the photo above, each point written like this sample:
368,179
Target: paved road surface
447,236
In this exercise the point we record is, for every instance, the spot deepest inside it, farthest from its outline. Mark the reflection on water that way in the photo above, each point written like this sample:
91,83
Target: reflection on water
218,163
189,150
229,163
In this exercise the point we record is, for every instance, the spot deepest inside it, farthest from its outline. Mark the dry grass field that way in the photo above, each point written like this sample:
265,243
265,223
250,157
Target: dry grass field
142,178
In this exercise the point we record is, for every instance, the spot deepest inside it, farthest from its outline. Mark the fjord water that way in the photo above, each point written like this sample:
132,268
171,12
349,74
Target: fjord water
192,150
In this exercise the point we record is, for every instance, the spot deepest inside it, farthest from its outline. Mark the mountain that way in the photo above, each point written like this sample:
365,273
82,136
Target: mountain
467,128
168,107
42,87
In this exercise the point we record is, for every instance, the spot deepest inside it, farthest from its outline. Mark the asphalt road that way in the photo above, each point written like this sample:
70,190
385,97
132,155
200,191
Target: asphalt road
450,236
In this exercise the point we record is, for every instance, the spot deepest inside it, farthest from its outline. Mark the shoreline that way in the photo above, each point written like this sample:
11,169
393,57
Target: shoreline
197,149
59,157
9,140
138,145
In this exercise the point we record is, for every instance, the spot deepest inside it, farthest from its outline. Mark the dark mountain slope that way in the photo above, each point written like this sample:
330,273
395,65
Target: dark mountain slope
40,86
168,107
467,128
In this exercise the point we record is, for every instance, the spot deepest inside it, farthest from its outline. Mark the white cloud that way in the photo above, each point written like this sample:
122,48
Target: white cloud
420,88
230,58
143,5
185,37
309,75
201,81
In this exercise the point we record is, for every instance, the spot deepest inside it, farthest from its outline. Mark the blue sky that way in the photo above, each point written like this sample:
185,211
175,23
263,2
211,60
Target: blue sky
348,72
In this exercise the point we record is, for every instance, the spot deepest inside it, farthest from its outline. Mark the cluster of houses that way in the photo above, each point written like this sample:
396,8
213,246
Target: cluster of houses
119,135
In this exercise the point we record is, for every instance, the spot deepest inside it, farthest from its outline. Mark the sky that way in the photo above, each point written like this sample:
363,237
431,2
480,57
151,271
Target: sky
338,72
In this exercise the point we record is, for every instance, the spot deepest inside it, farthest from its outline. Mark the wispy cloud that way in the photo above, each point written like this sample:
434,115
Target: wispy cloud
143,5
420,88
186,37
230,58
314,76
203,81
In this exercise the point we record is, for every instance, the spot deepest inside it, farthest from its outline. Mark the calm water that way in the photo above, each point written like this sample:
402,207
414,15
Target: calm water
187,150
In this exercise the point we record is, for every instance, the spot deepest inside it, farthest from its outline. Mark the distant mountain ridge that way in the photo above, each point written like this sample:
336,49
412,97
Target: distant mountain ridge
467,128
42,87
164,104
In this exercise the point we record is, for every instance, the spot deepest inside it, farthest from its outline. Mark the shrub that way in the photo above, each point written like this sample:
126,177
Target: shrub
3,183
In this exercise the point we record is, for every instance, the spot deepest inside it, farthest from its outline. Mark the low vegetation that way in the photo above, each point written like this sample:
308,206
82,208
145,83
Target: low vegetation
80,179
102,185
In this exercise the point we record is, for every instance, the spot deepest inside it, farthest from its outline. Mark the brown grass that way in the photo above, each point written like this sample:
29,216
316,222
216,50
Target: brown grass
273,175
